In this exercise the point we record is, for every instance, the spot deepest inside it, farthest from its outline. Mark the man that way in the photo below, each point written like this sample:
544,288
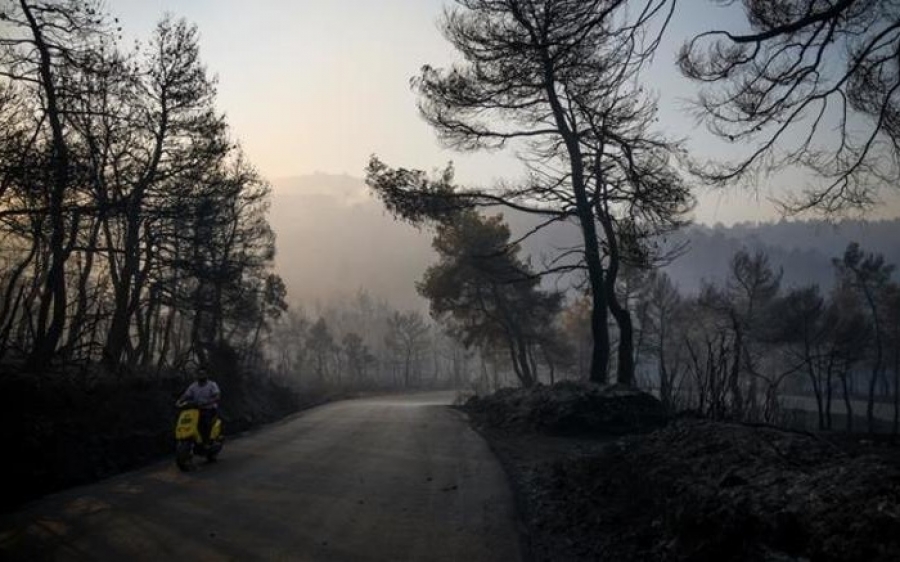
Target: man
205,394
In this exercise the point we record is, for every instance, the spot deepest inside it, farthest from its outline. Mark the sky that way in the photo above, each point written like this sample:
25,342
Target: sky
317,86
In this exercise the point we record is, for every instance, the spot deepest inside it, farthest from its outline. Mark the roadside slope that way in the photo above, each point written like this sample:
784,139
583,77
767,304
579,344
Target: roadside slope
593,484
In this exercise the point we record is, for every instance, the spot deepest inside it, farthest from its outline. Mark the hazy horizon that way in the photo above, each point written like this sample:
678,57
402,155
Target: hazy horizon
311,90
323,84
321,261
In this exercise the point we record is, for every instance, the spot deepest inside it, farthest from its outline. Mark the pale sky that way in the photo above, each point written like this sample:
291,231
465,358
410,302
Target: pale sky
319,85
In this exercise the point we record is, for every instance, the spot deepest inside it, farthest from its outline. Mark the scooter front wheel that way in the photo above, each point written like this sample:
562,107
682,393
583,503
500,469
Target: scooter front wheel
184,454
212,453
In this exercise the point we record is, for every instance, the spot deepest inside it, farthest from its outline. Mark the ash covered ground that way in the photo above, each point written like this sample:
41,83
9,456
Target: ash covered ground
605,474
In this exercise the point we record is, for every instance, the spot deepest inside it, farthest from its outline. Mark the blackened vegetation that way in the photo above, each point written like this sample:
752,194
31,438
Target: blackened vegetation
61,432
133,230
691,490
569,408
134,244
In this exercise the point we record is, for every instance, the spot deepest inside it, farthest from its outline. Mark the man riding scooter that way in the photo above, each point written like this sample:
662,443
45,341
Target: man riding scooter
205,394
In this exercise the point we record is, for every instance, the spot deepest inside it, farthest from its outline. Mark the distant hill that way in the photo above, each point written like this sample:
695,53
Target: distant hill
334,238
804,249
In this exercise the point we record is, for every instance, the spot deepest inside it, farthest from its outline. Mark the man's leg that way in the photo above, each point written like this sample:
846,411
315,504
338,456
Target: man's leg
205,425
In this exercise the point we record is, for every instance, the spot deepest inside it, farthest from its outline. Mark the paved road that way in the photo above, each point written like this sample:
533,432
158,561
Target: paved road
398,478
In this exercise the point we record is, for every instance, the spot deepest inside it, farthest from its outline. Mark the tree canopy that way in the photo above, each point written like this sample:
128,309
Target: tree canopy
559,80
487,295
811,83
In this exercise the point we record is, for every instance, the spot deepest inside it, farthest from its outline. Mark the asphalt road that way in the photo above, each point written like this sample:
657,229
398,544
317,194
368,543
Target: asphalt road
395,478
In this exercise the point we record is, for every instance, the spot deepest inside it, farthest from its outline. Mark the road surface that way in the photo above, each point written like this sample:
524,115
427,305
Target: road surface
393,478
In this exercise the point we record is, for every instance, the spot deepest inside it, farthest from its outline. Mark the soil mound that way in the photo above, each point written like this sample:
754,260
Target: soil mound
568,408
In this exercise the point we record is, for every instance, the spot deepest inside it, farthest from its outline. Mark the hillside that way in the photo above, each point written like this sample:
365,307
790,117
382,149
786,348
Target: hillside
334,238
804,249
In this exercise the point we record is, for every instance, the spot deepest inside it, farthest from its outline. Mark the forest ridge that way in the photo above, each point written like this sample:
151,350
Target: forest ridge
320,261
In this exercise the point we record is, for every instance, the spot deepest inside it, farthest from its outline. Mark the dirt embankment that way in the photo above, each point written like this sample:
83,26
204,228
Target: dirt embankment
689,489
58,433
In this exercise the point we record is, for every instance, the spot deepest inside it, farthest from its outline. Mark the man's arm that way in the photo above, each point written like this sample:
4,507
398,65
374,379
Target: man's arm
215,394
188,395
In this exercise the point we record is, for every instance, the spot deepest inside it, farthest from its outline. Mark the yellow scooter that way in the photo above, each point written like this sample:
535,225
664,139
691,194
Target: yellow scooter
189,441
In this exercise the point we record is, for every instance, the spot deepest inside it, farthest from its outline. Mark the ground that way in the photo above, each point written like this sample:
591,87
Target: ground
598,474
686,489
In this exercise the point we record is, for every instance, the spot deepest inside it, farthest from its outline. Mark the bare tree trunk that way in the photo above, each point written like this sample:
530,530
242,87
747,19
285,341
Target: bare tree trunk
879,358
584,211
896,424
625,364
737,405
847,404
829,377
25,327
665,382
551,367
47,336
76,326
406,363
10,308
166,340
522,352
820,406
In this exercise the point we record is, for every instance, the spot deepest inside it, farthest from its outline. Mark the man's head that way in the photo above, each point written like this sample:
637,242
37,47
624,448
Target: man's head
202,374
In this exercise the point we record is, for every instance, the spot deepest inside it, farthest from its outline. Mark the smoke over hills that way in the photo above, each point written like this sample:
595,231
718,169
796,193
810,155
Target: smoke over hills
335,238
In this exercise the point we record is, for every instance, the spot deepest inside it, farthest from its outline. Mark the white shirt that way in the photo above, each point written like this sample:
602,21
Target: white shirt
205,395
